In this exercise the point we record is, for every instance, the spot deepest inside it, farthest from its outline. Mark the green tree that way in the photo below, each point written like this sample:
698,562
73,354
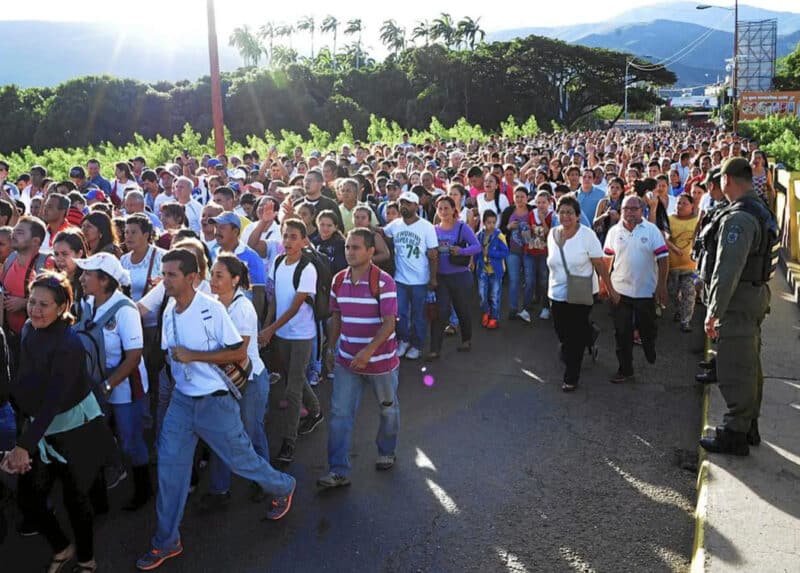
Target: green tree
355,27
284,56
423,29
285,31
307,23
469,31
267,32
330,25
444,29
393,36
247,44
788,71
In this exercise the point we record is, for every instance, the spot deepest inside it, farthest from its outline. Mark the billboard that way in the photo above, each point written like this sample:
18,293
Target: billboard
705,102
761,104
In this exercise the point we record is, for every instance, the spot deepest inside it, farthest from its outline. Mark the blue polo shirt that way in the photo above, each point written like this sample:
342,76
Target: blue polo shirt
589,202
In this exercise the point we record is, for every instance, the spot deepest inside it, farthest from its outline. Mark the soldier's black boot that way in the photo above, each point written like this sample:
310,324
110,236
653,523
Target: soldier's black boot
707,377
753,437
726,442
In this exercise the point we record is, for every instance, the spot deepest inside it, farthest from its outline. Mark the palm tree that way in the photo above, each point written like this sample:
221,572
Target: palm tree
285,30
393,36
267,32
330,24
355,27
423,29
284,56
468,30
308,23
443,29
247,44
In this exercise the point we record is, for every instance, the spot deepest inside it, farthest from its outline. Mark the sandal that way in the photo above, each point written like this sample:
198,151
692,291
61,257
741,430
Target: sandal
449,330
465,346
569,387
57,565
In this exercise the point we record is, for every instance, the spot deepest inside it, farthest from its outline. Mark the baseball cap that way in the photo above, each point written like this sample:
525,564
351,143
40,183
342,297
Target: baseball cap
239,174
213,162
315,153
77,171
409,196
737,167
713,176
227,218
96,195
107,263
256,187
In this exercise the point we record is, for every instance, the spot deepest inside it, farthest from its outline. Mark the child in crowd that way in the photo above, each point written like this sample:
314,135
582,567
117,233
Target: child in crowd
490,265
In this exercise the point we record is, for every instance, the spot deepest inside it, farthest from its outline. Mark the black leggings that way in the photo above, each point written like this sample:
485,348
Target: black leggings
455,289
574,331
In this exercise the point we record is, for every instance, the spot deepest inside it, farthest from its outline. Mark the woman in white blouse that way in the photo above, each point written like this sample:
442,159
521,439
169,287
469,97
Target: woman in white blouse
584,255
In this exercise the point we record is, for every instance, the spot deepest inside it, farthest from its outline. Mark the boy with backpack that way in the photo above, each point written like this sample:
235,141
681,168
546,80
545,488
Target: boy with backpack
490,265
298,298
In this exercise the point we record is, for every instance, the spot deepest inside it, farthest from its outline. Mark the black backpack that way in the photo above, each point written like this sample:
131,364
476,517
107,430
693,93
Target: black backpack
321,301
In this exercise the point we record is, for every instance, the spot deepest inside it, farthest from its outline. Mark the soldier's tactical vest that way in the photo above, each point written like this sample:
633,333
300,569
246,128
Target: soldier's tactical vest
763,261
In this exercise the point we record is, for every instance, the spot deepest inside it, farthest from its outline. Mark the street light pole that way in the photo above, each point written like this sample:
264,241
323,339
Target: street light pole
735,79
216,88
735,66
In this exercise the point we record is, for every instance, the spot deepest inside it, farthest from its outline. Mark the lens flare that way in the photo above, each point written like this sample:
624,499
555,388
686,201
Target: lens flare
427,380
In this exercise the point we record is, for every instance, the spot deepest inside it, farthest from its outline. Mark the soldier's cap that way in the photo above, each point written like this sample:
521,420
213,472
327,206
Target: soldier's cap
713,176
737,167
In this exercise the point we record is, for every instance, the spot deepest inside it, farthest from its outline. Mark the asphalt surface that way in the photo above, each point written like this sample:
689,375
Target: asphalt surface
497,470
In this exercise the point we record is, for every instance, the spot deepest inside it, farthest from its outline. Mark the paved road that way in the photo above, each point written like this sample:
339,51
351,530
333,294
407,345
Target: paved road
498,470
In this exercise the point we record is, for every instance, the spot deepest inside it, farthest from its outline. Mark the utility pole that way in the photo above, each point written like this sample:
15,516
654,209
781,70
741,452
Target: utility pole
216,88
627,65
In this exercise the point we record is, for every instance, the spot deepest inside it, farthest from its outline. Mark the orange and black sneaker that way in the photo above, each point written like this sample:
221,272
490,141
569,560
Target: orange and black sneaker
492,324
485,319
280,505
155,558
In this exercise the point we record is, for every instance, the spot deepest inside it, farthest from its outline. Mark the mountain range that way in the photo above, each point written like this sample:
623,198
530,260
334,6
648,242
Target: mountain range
64,50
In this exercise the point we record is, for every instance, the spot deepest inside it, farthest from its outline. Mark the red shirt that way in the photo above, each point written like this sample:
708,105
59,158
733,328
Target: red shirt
14,285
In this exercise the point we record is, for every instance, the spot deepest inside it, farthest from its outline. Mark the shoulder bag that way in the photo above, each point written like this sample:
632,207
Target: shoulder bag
579,288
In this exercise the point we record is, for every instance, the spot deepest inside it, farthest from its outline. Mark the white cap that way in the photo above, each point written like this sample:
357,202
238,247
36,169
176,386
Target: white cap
107,263
409,196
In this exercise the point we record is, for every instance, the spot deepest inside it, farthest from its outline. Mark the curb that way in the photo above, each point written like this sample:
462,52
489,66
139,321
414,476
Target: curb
698,564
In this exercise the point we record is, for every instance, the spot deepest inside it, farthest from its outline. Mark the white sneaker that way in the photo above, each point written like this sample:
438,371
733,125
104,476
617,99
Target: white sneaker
524,315
413,353
545,314
402,348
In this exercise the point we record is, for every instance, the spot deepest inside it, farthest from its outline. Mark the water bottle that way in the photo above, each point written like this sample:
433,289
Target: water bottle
431,308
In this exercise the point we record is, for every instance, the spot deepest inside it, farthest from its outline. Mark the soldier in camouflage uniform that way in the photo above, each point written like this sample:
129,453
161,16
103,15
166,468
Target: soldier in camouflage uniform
738,300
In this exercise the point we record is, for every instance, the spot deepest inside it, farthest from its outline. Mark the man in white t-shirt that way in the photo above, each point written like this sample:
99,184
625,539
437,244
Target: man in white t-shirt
416,261
639,274
183,195
293,329
199,334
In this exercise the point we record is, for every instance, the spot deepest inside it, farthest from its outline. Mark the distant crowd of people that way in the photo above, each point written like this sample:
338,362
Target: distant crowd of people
194,289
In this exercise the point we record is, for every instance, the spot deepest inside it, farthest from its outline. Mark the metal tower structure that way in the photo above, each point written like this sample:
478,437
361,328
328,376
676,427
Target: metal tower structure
755,58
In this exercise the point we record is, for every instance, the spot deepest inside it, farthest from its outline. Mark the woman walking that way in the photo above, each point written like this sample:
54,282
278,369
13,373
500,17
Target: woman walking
67,438
573,252
457,246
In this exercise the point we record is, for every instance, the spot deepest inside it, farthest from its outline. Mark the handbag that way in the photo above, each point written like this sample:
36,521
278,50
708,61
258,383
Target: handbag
579,288
459,260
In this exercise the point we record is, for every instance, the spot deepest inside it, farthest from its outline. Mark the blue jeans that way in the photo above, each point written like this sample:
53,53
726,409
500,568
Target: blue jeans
217,421
129,420
8,428
253,407
411,308
348,387
541,275
490,288
315,362
514,263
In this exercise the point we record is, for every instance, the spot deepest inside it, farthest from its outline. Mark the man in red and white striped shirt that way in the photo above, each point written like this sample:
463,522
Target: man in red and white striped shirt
364,310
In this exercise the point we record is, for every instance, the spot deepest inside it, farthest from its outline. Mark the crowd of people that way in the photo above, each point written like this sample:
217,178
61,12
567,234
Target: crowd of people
196,288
